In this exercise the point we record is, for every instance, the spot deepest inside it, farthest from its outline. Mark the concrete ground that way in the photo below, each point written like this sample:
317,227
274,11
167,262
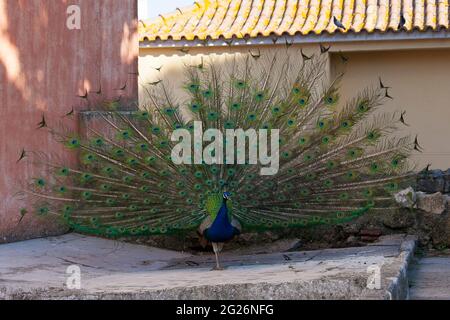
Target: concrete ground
48,269
430,277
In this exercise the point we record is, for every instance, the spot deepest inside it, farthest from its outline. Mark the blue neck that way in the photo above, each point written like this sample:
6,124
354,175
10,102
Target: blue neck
221,229
222,216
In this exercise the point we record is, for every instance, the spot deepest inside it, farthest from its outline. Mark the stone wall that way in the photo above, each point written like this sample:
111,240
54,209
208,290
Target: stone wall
432,181
44,68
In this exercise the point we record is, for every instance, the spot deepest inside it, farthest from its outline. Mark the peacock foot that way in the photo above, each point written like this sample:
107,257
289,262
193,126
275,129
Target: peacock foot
216,268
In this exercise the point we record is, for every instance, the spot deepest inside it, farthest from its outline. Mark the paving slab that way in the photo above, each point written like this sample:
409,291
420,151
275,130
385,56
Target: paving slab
430,278
41,269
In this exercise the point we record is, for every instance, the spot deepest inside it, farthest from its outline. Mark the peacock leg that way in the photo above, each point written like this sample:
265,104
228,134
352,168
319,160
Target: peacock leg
217,247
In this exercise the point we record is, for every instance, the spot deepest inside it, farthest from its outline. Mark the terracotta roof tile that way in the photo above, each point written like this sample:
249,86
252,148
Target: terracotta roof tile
240,18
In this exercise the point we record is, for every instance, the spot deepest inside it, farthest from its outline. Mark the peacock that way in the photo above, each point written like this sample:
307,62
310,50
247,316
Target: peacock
153,170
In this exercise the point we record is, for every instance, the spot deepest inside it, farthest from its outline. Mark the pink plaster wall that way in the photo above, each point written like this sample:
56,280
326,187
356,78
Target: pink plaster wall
43,67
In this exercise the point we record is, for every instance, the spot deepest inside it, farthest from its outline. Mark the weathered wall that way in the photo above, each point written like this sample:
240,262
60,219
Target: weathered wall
43,67
418,75
419,80
172,62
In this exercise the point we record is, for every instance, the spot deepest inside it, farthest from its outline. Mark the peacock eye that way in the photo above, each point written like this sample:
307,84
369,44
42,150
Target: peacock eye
86,194
328,183
304,192
86,176
392,186
195,107
362,106
40,182
214,170
352,153
229,125
43,211
198,174
156,130
212,116
344,196
240,84
193,87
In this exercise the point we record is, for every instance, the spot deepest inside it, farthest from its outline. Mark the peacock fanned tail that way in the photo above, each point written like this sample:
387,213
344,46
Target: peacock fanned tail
338,160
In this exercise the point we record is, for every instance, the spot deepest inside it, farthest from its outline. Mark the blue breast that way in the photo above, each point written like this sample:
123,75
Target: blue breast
221,229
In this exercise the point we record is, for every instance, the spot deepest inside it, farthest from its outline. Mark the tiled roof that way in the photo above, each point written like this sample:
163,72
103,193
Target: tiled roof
214,19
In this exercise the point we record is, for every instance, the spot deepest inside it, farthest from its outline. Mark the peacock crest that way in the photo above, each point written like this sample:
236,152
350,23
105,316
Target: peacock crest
337,159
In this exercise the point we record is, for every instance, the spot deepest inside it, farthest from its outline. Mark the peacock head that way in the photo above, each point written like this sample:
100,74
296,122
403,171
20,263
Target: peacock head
226,195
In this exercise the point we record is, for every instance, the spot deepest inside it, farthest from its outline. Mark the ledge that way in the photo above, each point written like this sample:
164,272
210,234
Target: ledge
36,269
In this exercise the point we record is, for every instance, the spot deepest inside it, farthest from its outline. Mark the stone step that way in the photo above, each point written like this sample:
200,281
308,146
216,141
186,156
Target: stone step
429,278
40,269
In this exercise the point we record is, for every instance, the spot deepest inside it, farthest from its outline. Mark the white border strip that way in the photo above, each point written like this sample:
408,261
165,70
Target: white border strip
312,38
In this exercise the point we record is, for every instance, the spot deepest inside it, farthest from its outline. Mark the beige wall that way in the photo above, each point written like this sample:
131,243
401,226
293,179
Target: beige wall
420,81
172,61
